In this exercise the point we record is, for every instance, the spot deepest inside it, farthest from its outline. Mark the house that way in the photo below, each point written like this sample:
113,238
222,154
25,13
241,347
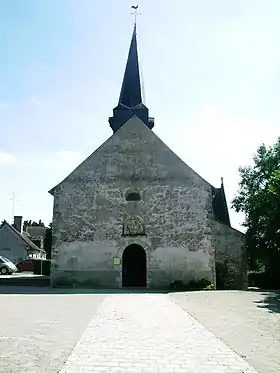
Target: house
16,246
133,214
35,232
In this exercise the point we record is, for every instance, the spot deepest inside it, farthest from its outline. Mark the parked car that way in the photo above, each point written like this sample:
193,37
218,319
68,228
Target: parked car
6,266
26,265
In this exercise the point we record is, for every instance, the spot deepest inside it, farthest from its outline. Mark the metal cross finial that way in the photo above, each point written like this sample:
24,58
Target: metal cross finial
135,13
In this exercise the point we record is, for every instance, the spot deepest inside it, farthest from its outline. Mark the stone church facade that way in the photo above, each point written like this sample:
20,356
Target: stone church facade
134,214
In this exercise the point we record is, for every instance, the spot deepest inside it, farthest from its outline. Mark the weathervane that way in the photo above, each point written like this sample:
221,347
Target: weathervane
135,13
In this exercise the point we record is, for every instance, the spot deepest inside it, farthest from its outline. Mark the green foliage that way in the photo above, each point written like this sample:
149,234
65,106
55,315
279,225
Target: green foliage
259,199
225,275
29,223
210,287
199,284
48,241
260,280
203,284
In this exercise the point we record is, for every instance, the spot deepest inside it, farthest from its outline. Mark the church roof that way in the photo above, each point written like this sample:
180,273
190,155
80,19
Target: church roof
131,100
131,91
220,206
131,104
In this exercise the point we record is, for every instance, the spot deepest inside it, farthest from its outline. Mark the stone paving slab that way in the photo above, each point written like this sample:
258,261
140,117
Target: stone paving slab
39,331
150,333
247,321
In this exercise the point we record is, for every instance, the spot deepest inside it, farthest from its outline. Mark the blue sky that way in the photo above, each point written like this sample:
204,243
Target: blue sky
212,81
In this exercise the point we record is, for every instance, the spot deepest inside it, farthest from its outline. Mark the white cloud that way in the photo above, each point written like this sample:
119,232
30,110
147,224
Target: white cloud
211,112
35,101
215,142
5,159
63,161
69,156
220,141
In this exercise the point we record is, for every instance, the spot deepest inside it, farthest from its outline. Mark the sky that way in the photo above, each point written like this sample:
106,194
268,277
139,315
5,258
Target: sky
211,74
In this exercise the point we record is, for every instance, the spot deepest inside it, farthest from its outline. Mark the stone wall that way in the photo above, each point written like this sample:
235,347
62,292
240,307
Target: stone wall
90,207
177,236
231,257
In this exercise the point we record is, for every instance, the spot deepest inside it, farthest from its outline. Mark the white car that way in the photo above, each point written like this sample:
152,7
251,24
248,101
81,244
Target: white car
6,266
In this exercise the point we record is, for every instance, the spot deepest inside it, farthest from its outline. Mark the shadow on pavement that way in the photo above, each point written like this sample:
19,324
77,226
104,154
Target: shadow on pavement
30,290
271,300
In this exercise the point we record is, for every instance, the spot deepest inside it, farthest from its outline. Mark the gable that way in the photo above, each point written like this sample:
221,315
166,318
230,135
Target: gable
135,153
9,238
7,232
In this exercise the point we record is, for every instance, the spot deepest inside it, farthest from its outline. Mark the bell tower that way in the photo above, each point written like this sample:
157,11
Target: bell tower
131,96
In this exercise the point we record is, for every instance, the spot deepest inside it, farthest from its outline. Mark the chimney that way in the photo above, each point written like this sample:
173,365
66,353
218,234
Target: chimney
18,223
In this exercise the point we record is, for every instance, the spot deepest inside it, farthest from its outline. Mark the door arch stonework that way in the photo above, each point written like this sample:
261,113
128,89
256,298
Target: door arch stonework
134,266
122,245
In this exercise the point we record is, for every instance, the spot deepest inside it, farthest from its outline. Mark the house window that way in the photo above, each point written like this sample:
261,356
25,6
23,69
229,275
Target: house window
133,195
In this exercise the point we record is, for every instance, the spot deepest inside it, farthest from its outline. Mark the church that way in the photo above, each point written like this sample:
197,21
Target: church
133,214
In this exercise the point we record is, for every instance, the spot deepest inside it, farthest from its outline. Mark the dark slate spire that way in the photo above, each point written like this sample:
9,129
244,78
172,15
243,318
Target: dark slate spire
131,96
131,92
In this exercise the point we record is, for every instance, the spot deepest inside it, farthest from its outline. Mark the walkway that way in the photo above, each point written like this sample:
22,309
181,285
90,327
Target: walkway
148,333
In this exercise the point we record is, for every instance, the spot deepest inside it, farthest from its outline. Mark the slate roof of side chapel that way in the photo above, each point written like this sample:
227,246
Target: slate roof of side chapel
131,97
25,239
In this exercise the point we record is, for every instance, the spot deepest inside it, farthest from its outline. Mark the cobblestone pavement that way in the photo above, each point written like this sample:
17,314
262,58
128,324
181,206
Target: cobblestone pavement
39,331
248,322
150,333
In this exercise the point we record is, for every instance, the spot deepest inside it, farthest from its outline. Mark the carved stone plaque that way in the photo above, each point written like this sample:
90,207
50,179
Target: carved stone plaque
133,226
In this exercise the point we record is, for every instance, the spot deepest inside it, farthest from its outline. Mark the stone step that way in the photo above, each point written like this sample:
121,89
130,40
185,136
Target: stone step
24,281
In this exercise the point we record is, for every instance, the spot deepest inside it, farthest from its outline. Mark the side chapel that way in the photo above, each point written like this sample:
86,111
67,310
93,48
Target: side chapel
134,214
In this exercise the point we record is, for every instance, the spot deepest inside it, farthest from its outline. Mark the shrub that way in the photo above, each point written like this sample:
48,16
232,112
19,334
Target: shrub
203,284
261,280
225,275
200,284
210,287
177,285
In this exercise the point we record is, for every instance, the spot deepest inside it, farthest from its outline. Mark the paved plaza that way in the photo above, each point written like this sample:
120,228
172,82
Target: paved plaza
138,332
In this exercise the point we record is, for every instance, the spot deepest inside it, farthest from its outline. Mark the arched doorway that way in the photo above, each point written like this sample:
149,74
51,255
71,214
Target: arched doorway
134,267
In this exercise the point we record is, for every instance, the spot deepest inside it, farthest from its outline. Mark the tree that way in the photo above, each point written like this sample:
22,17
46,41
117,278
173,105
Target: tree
29,223
48,241
259,198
